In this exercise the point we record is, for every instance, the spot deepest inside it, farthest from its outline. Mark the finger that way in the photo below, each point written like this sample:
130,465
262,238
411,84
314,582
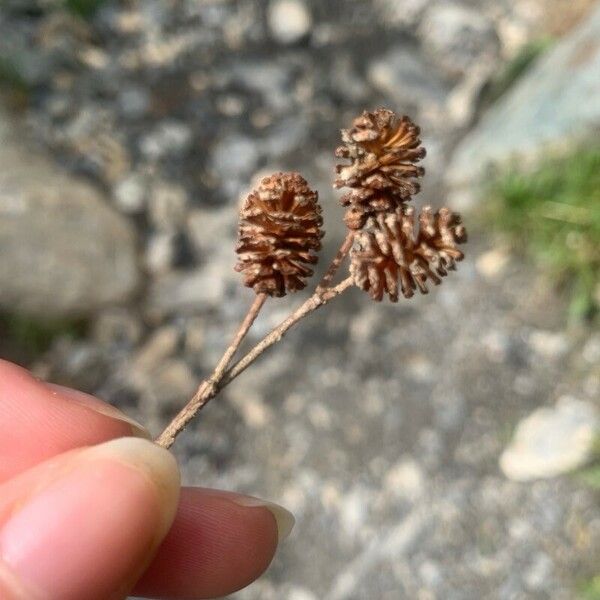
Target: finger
39,420
219,543
87,523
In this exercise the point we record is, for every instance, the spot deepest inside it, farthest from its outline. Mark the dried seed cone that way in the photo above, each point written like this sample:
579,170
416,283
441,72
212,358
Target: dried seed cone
383,150
389,256
279,233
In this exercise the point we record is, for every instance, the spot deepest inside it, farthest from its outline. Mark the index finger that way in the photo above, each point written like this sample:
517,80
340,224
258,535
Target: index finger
39,420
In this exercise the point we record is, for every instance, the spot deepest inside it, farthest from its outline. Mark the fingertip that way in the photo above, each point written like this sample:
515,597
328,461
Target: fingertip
284,519
86,524
219,543
155,463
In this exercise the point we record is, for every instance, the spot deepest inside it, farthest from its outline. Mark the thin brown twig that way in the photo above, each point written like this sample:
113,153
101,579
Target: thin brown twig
207,392
336,262
221,377
239,336
186,414
318,299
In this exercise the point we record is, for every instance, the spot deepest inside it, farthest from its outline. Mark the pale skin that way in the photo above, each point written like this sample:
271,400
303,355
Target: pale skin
91,508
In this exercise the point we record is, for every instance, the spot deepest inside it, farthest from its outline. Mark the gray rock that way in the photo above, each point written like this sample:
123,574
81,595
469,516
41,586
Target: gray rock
457,38
348,80
130,194
409,81
167,206
271,80
551,106
552,441
169,137
64,251
591,350
403,14
116,326
161,345
134,101
430,573
234,159
492,263
221,224
405,479
287,136
171,381
464,98
161,250
235,155
289,20
187,291
539,575
548,344
300,593
156,372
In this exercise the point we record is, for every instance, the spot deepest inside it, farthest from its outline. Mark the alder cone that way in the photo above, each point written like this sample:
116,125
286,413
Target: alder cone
279,235
383,150
389,257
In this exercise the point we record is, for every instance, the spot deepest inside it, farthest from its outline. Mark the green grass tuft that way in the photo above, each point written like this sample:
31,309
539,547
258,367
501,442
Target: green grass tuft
84,8
25,338
553,215
590,590
10,76
591,477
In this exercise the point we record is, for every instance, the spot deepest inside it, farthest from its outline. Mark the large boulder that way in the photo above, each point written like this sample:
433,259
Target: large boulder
555,103
63,251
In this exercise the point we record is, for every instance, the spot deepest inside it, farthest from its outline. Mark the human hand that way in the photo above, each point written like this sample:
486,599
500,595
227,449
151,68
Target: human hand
85,518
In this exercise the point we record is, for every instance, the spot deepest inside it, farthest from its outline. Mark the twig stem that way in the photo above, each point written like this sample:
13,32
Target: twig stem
336,262
318,299
207,392
199,399
221,377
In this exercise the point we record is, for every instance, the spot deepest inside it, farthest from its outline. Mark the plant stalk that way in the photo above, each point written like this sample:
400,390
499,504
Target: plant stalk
222,377
187,413
318,299
336,262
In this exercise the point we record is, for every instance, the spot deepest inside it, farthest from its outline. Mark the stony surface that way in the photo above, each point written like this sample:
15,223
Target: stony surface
380,426
64,251
459,38
555,104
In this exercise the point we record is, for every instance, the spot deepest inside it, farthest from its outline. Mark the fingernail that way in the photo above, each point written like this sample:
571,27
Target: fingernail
95,526
283,517
100,407
154,462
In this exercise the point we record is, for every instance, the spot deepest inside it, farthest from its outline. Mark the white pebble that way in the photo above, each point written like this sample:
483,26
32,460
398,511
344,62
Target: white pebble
289,20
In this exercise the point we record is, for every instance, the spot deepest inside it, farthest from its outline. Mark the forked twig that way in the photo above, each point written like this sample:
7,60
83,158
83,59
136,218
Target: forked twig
212,386
318,299
186,414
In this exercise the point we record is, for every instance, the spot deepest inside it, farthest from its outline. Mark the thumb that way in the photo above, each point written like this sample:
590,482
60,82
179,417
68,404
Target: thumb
86,523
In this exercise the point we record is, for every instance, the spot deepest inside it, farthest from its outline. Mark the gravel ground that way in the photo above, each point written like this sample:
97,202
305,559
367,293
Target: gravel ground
379,426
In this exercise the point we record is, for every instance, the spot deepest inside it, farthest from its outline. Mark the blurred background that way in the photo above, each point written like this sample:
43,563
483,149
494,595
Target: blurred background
442,448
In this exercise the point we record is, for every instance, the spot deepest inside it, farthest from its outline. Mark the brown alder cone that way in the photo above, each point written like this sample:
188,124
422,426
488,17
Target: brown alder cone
383,150
279,233
389,256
